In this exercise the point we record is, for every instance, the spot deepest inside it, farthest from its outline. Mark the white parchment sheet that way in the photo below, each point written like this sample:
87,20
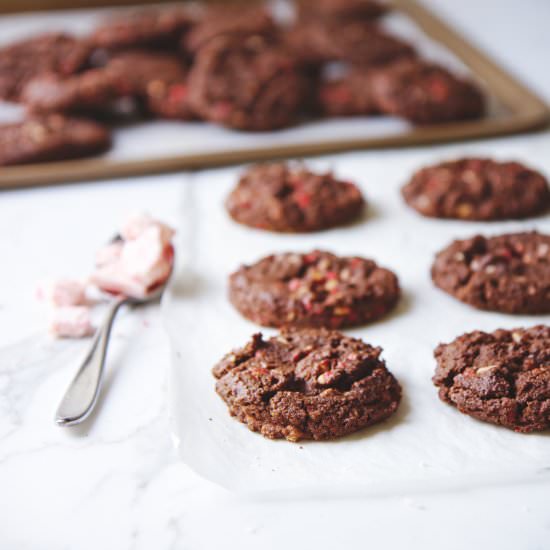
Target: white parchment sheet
164,138
427,444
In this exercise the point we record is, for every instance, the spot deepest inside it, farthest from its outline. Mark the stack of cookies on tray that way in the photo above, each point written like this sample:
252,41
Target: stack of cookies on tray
313,382
234,66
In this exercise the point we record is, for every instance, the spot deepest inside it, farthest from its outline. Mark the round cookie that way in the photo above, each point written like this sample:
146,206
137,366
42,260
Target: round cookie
509,273
425,93
478,189
317,289
284,198
307,384
246,83
502,377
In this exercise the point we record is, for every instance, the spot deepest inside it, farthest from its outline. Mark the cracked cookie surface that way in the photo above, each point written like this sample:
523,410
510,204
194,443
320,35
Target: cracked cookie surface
501,377
507,273
317,289
307,384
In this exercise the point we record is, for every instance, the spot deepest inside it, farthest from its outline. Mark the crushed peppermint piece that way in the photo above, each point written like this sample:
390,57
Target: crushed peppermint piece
71,322
63,292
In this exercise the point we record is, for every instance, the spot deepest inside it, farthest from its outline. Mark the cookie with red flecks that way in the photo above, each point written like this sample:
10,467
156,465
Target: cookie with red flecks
317,289
426,93
247,83
286,198
501,377
507,273
307,384
478,189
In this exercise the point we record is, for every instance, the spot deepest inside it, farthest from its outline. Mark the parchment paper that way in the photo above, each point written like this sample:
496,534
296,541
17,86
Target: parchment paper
427,445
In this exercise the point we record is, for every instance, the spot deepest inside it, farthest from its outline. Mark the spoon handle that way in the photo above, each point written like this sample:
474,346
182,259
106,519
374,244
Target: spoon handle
81,396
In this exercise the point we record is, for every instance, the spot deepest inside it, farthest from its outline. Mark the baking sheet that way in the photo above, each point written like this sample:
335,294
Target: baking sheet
427,445
155,139
166,145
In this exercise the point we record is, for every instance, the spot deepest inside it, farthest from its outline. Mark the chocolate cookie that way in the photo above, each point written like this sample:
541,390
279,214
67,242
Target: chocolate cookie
425,93
509,273
151,27
330,10
317,289
478,189
57,53
137,74
247,84
279,197
229,21
502,377
348,96
307,384
49,138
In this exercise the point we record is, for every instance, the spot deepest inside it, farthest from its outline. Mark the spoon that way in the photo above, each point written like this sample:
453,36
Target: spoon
81,396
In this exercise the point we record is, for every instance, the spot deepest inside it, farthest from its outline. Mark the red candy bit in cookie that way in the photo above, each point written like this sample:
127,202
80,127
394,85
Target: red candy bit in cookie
177,93
438,89
302,199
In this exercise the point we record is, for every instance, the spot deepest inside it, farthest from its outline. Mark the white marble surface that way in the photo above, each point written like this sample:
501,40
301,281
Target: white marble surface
115,482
